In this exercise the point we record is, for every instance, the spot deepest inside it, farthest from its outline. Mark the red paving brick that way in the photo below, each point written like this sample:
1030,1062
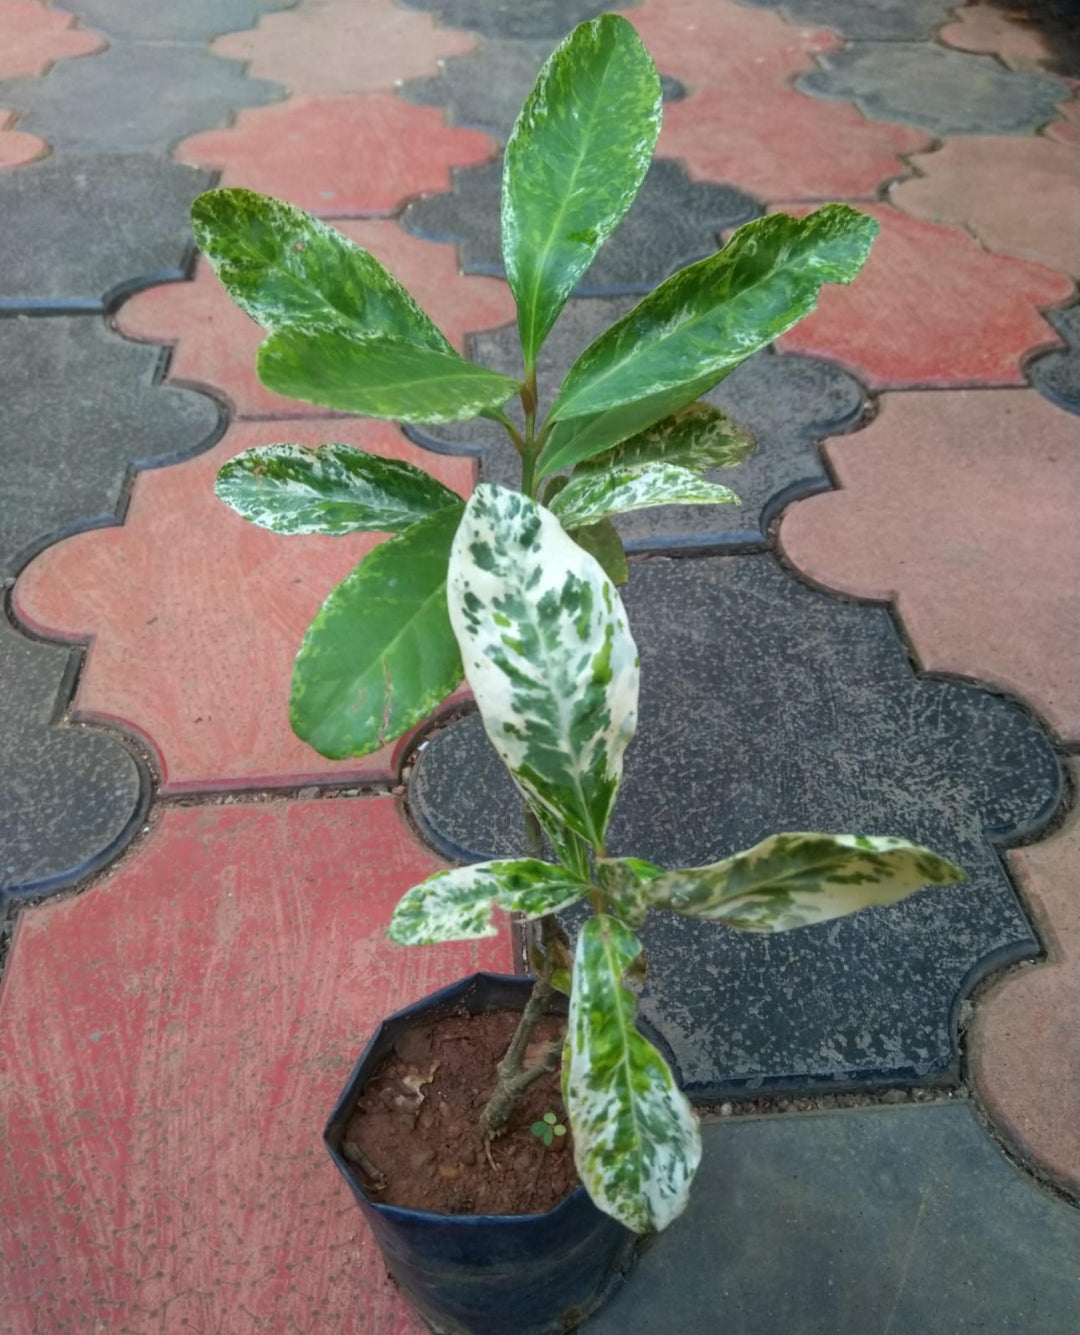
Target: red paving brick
216,343
196,616
962,509
336,47
987,183
339,157
1024,1043
780,145
16,146
1009,34
164,1097
32,37
932,308
1066,130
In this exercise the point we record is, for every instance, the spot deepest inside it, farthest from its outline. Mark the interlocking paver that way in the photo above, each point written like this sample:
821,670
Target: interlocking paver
70,798
787,402
192,21
932,308
216,344
671,222
510,18
1008,34
944,91
959,507
881,20
33,37
1025,1039
80,410
1057,374
162,1105
1066,130
16,146
196,616
339,156
767,706
987,184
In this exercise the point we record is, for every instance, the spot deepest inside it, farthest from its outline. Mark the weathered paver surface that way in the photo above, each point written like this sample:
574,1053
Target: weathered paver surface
172,1037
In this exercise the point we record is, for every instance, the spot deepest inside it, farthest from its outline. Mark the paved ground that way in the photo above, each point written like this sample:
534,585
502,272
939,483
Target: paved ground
884,637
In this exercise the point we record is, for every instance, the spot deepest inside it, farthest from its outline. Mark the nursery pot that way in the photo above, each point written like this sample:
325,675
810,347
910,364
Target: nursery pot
536,1274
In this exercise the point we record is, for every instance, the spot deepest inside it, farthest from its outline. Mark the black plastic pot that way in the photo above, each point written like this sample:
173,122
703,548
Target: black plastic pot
539,1274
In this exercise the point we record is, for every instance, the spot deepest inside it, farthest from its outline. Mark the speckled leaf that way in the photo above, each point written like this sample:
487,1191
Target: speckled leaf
795,880
548,654
590,497
578,153
637,1143
706,319
282,266
602,541
457,905
698,437
623,882
380,654
378,376
333,489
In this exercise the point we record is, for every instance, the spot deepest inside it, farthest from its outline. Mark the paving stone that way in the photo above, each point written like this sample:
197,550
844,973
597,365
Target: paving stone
135,207
196,617
509,18
671,223
1057,374
960,565
216,344
897,1219
788,403
16,147
135,98
80,410
336,47
783,146
986,183
946,92
1024,1043
33,37
1008,34
880,20
339,157
1066,130
69,798
192,21
163,1108
767,706
932,308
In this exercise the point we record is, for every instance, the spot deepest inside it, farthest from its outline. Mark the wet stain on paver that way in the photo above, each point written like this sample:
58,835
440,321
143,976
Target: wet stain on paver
80,410
510,18
1057,374
69,798
767,706
672,222
868,20
787,402
944,91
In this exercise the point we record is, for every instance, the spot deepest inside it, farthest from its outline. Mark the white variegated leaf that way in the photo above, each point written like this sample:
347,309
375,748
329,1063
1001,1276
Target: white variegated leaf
637,1143
623,881
548,654
796,880
591,496
456,905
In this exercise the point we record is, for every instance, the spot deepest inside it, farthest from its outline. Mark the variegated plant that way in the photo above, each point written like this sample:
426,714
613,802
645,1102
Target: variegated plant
516,589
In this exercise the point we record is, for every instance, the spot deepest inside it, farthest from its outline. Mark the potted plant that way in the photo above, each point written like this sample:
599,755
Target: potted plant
516,590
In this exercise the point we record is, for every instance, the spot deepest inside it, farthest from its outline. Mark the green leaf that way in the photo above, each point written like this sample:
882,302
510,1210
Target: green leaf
333,489
378,376
380,654
795,880
576,158
282,266
590,497
548,654
698,437
637,1143
706,319
602,541
623,881
456,905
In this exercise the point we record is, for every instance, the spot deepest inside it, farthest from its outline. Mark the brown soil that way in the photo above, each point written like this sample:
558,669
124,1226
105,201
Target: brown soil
417,1123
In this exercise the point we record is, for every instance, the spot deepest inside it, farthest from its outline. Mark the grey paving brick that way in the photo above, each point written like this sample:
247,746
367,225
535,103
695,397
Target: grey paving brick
858,20
1057,374
510,18
191,20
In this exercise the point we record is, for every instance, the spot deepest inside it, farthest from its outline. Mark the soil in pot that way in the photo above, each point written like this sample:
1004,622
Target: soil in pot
415,1135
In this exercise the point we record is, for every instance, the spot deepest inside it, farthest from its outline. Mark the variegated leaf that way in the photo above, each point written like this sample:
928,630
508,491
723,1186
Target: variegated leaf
334,489
698,437
457,905
623,881
548,654
796,880
592,496
637,1143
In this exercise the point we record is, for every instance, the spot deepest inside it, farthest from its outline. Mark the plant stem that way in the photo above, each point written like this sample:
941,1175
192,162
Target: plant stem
513,1080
